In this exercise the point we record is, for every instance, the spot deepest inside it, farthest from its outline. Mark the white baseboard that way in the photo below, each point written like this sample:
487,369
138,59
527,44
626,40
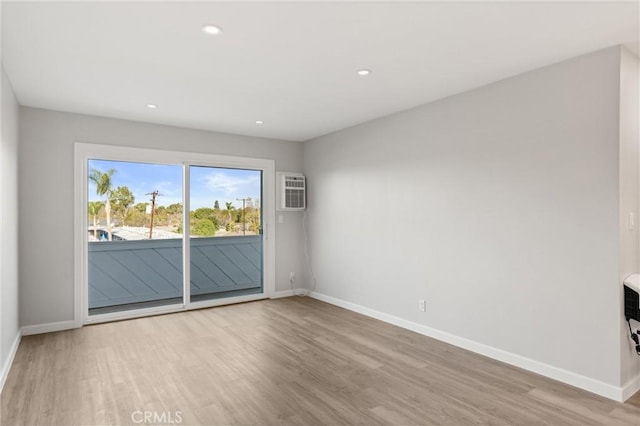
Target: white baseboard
6,366
630,388
48,328
284,293
289,293
561,375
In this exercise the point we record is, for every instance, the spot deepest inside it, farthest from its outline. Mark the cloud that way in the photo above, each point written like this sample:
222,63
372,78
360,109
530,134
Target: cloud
232,186
169,188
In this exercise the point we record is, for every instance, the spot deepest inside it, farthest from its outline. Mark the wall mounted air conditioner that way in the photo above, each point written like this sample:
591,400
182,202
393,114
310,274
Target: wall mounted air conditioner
291,191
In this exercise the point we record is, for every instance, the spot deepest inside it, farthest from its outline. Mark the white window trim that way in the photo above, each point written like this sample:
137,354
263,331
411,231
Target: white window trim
86,151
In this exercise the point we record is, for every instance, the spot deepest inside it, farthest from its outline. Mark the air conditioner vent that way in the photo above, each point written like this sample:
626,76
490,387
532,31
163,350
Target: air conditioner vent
292,192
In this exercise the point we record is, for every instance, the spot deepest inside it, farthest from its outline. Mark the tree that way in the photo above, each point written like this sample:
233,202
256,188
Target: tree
174,215
162,218
229,208
103,183
121,199
205,213
136,217
253,219
216,205
94,209
175,208
141,207
204,228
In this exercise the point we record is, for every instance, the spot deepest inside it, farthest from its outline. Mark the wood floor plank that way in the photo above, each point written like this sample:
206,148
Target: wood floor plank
293,361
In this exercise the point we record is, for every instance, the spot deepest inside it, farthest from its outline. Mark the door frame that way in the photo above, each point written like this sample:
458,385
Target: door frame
85,151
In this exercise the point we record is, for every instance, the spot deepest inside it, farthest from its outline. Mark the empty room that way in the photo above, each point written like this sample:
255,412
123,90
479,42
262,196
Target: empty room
320,213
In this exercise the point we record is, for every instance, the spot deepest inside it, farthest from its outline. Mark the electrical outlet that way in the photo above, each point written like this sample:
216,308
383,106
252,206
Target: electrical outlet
422,305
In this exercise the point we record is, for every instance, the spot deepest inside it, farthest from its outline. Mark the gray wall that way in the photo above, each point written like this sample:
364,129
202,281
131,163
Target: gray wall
499,206
9,327
46,197
629,196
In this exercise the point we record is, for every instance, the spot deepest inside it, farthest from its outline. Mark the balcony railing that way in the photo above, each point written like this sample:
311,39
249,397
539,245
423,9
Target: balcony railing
130,272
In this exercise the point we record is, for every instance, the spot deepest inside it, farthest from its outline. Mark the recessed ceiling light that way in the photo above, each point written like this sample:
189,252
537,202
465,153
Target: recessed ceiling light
259,122
211,29
152,106
364,72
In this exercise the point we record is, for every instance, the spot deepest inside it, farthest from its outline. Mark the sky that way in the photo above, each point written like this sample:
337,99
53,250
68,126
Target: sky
207,183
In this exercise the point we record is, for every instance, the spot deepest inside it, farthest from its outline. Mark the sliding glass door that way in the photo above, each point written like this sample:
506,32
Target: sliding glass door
134,239
160,237
225,229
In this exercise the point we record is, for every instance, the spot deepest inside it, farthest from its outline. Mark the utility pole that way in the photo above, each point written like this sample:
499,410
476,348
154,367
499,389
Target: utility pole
153,194
244,202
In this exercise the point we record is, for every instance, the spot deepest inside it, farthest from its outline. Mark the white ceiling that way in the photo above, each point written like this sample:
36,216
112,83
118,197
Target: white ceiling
292,65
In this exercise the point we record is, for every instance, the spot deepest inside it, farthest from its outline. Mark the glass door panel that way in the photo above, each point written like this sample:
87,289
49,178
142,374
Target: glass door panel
134,235
225,230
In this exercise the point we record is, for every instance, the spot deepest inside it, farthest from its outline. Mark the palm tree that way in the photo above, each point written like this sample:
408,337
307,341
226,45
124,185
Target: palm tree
94,209
103,188
229,208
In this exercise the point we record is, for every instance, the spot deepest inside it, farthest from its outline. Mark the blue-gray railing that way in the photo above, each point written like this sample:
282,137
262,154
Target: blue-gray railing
125,272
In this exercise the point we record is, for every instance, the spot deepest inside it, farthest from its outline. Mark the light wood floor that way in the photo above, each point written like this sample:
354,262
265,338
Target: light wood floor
286,361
